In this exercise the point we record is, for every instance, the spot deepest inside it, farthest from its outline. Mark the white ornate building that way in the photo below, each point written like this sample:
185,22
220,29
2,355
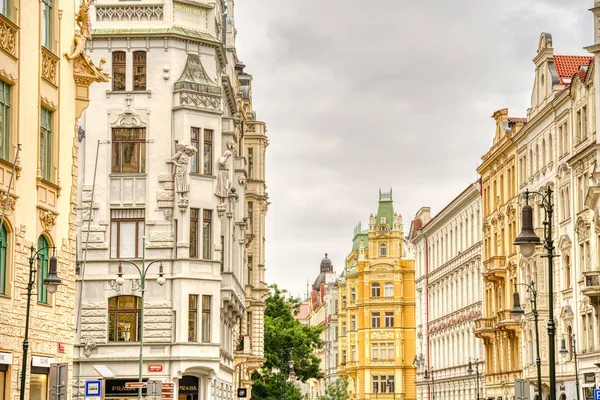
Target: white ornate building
448,297
172,170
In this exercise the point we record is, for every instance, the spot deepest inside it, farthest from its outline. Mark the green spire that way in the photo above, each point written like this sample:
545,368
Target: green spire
386,208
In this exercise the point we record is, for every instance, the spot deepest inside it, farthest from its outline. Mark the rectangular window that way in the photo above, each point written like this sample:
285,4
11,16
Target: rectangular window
4,10
375,290
126,232
375,320
123,318
207,234
390,355
344,357
42,272
250,269
343,302
119,80
45,156
46,28
375,384
353,295
139,70
584,123
3,266
250,210
128,150
374,351
206,300
382,384
4,119
353,323
389,290
194,216
353,353
192,318
250,163
208,150
578,127
195,142
343,329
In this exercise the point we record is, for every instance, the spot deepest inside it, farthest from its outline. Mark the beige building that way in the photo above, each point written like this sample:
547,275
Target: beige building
44,80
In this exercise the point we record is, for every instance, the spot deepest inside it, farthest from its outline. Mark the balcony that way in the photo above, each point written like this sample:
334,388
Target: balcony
505,321
484,327
592,285
494,269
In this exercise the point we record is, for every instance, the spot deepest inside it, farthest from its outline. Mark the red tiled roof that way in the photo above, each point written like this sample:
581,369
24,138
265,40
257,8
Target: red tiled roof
582,74
567,66
517,120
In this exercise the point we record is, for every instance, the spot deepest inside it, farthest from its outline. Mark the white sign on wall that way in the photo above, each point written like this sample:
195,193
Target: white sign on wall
5,358
43,362
190,16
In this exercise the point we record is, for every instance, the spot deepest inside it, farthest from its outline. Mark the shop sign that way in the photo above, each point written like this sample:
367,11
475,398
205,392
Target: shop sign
5,358
188,385
43,362
118,387
61,347
589,377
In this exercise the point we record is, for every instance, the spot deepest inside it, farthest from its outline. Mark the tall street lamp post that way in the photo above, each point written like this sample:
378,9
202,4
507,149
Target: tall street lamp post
470,371
426,376
564,352
51,282
527,240
143,271
517,314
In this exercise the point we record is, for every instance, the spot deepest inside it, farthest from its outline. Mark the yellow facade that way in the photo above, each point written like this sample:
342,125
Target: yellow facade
377,310
500,333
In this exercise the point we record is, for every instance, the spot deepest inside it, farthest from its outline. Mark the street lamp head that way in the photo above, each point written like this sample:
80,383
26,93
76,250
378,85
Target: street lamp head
470,367
52,280
517,311
426,375
161,276
563,348
527,239
120,280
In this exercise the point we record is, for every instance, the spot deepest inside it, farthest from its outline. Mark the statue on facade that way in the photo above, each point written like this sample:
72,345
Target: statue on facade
181,159
85,29
223,181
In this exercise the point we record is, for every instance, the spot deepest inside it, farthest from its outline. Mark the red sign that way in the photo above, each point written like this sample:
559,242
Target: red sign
61,347
135,385
154,367
167,391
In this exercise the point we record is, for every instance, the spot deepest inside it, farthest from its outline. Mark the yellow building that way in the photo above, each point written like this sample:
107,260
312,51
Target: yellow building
377,310
44,81
500,333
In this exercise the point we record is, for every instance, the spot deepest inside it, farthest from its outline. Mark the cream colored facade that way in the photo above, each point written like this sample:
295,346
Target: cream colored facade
377,310
43,92
500,333
448,298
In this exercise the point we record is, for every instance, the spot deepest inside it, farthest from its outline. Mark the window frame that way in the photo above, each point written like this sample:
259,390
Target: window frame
250,162
389,319
195,134
375,319
138,63
193,318
206,316
352,295
140,219
139,144
122,70
43,268
6,8
207,151
375,290
207,231
388,285
47,21
136,312
382,250
45,143
4,277
5,118
194,232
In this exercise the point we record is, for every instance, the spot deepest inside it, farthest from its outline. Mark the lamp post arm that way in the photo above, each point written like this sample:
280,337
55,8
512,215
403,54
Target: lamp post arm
135,265
149,265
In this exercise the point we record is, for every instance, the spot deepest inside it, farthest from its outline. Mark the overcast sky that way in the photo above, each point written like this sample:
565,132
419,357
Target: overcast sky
359,95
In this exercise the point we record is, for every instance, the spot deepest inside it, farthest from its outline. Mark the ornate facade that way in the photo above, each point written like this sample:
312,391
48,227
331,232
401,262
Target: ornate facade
44,83
448,298
377,310
173,182
500,333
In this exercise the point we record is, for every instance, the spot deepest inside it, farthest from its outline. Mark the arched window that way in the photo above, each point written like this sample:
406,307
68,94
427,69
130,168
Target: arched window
531,171
123,318
389,289
543,152
382,228
570,340
3,266
382,250
567,272
43,258
118,70
375,289
537,157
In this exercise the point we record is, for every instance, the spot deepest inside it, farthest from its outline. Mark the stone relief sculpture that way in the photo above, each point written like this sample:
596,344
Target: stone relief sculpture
181,159
223,181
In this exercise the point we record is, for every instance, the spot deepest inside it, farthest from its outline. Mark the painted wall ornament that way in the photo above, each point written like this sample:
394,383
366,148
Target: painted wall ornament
223,181
181,159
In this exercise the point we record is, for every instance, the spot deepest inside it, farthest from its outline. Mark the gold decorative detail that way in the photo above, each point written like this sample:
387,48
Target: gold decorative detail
49,103
8,36
85,30
8,201
49,66
47,219
7,76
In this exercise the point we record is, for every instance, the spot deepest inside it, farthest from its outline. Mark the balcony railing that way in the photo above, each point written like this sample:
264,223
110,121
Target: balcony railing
592,285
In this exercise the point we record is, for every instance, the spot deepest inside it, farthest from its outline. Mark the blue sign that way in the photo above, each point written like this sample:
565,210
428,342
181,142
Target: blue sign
596,394
92,388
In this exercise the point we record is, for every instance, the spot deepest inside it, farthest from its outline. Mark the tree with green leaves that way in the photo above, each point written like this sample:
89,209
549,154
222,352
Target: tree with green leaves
286,339
337,390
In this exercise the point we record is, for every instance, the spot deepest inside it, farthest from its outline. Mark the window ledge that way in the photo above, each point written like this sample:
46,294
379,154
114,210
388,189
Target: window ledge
197,175
128,92
127,175
39,303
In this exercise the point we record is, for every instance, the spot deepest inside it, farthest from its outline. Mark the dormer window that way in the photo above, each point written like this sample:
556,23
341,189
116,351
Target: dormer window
382,250
383,229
